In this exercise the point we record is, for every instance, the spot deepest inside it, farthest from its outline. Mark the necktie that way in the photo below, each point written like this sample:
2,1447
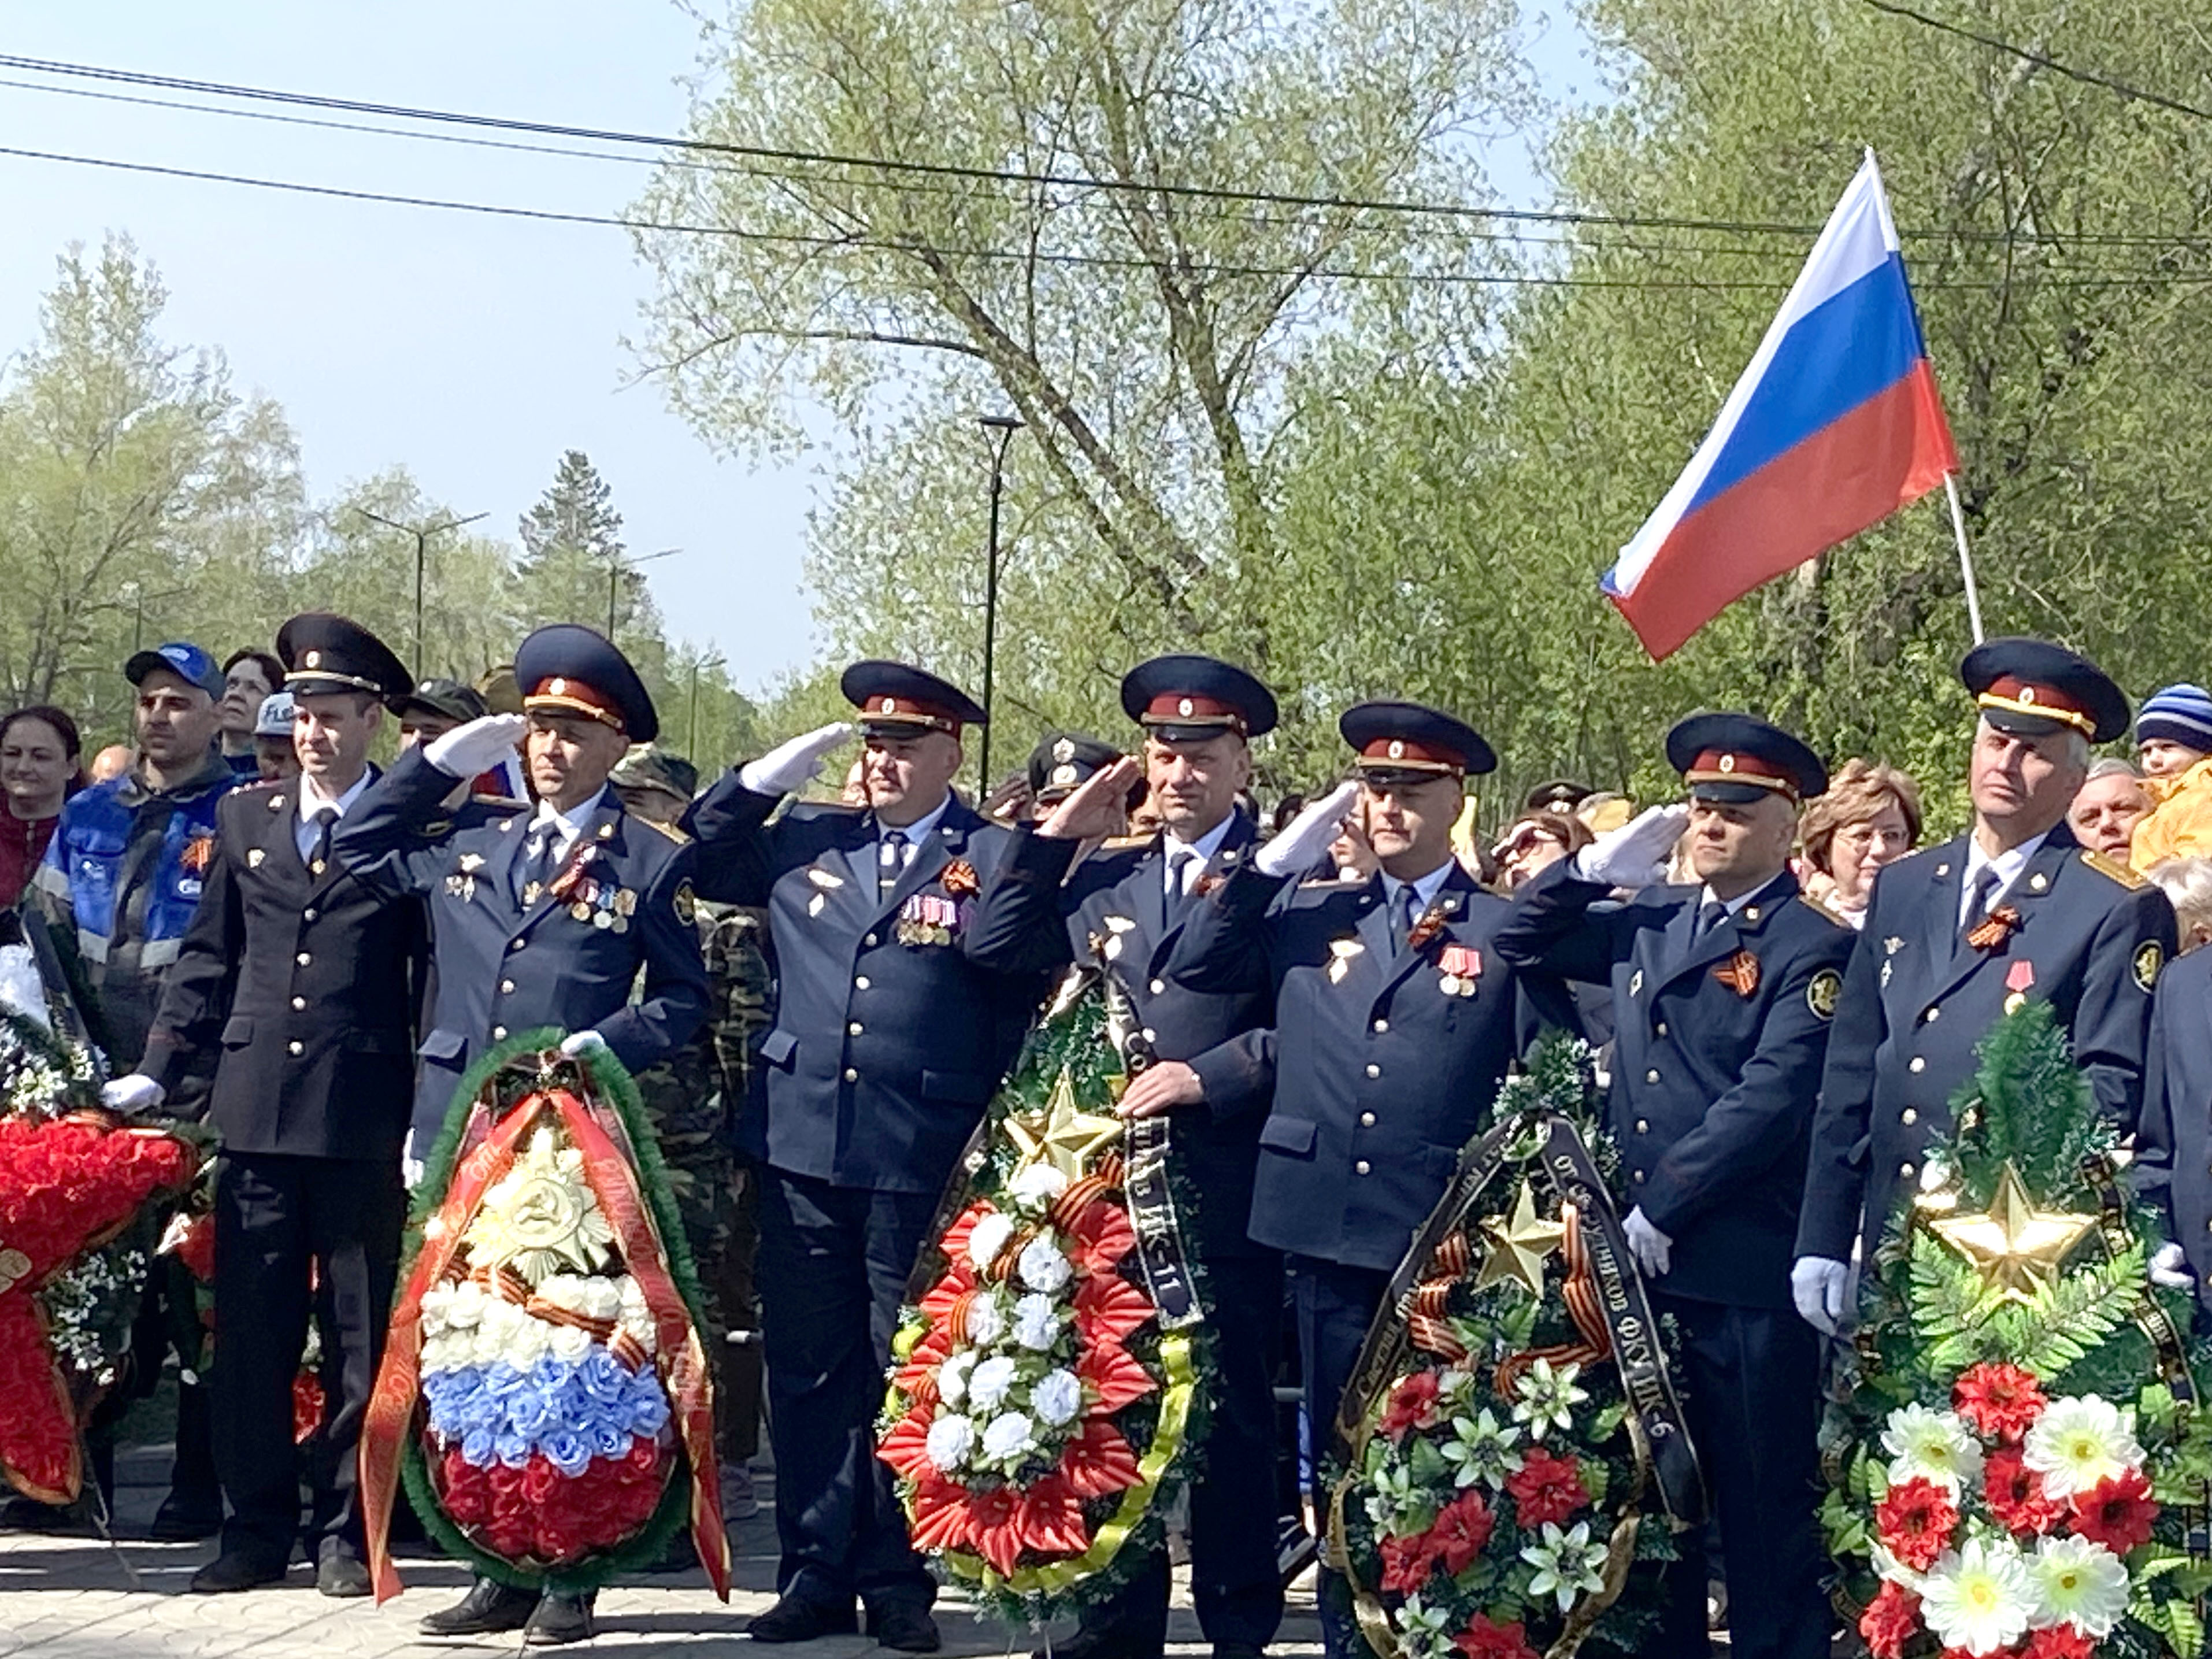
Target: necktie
891,859
1710,917
1179,864
535,867
1977,899
325,818
1405,916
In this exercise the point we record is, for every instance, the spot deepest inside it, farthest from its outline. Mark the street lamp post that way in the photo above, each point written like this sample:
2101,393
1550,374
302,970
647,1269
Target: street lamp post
422,533
616,565
1005,426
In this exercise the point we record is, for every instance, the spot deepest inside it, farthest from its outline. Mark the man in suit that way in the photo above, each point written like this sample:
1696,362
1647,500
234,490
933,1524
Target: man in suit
1395,1018
1723,992
1215,1073
888,1044
300,981
1957,936
542,920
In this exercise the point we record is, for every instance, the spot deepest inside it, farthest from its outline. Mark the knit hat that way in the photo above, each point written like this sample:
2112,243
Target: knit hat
2179,713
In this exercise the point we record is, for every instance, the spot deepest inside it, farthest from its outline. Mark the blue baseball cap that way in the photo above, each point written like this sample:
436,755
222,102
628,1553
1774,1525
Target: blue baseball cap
186,661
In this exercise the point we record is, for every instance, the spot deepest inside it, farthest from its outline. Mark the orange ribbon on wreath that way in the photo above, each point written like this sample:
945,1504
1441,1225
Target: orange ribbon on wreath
1580,1293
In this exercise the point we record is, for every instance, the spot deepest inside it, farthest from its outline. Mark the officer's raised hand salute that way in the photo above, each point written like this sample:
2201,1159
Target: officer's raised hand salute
888,1043
1957,936
1722,994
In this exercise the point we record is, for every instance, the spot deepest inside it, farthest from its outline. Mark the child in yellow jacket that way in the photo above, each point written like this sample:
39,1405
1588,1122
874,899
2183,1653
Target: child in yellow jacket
2173,740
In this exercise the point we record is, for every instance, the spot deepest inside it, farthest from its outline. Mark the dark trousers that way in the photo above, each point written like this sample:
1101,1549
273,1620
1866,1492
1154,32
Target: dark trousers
1335,1305
833,1267
730,1284
277,1220
1235,1584
1751,1398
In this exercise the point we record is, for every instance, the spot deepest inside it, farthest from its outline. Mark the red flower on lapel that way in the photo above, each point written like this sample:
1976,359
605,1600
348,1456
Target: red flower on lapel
1993,930
1740,973
959,879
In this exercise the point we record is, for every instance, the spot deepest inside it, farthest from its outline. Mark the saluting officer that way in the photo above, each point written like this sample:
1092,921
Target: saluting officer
1957,936
1215,1073
1395,1019
888,1044
1723,992
537,921
298,982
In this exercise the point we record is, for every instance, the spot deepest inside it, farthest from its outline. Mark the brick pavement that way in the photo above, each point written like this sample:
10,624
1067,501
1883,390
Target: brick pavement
77,1598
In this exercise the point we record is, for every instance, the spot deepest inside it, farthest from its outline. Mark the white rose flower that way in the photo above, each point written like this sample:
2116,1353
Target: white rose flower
949,1443
603,1301
467,1307
952,1377
1008,1437
987,1319
437,1302
529,1343
1043,1268
987,1384
1036,1186
1037,1323
570,1343
629,1293
1056,1397
643,1331
563,1291
990,1236
2078,1442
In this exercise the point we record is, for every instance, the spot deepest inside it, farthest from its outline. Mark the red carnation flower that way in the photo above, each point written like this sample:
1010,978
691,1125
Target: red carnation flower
1483,1640
2116,1513
1891,1620
1546,1488
2059,1642
1916,1521
2015,1493
2003,1401
1413,1405
1405,1564
1463,1526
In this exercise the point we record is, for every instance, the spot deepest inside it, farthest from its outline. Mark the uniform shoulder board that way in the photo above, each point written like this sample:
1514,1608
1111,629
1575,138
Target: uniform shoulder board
667,829
2105,865
499,803
259,783
1126,843
1823,908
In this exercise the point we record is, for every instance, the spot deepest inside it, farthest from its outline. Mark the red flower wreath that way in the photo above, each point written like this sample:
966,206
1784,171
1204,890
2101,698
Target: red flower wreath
2000,1401
1892,1619
1916,1521
2116,1513
2016,1495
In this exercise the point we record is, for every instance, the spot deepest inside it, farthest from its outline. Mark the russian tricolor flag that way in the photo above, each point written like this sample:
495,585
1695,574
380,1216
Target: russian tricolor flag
1834,425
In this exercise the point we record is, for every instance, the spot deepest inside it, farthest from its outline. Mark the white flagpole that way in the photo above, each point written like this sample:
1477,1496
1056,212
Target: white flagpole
1965,558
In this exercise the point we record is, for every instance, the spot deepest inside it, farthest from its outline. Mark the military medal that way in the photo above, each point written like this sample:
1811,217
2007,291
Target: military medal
1459,967
1341,951
2020,979
928,919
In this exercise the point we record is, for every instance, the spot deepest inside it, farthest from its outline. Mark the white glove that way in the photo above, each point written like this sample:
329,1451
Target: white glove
410,1167
477,745
579,1043
2169,1268
1651,1247
1816,1285
793,765
1636,854
1305,838
132,1094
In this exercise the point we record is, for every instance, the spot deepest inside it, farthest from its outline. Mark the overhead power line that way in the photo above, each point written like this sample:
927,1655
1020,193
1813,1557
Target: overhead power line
2026,54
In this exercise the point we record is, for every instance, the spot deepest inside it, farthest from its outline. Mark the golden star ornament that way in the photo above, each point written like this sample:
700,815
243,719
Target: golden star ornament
1063,1135
1518,1245
2016,1248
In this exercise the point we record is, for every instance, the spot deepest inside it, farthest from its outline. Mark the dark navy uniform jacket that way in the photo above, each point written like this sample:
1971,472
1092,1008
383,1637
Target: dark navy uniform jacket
2173,1149
1381,1071
504,966
2091,939
884,1053
306,986
1713,1088
1035,915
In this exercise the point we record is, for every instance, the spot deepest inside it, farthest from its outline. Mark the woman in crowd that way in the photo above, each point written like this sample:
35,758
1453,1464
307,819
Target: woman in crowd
1869,818
247,680
40,750
1535,841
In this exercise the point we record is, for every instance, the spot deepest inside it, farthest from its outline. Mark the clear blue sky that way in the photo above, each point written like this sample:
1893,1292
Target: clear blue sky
472,351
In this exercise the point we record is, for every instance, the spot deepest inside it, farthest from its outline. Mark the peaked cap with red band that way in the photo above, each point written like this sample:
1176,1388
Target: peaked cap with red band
896,700
1406,741
2031,688
1189,698
569,669
1738,758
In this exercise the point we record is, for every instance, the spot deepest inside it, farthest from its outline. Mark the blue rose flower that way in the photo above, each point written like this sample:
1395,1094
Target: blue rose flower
502,1379
574,1402
531,1415
647,1409
568,1453
477,1449
602,1375
511,1448
610,1440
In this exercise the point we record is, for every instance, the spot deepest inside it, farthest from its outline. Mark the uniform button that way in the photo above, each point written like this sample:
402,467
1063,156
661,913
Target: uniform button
514,944
1661,1027
296,1046
1374,1070
1367,1120
1919,1064
854,1030
304,958
860,983
1643,1125
307,914
299,1003
1636,1176
1930,1015
1651,1077
1150,1035
1360,1167
851,1076
506,988
870,940
1381,1026
1908,1117
499,1034
1158,987
1904,1172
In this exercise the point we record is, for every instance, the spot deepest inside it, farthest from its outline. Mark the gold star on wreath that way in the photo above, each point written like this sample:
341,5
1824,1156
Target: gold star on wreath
1063,1135
1518,1245
2016,1248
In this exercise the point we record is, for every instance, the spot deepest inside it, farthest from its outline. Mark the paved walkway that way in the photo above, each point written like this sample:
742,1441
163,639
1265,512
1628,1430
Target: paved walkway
78,1598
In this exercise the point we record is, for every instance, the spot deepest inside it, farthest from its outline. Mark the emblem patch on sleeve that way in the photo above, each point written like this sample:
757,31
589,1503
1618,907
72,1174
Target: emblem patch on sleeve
1820,995
2150,959
686,905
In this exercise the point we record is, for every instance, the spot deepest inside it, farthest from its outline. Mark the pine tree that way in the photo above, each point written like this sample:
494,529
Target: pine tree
572,551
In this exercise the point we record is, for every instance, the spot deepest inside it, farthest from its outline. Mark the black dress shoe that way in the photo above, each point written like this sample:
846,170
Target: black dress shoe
800,1618
237,1571
907,1628
184,1519
340,1573
489,1608
558,1620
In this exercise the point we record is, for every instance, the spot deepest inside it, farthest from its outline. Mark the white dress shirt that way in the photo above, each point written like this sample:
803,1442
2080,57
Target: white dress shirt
916,834
560,829
2008,865
306,832
1424,888
1195,854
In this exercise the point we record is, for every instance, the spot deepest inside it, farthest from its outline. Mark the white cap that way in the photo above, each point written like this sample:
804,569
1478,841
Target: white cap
275,719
